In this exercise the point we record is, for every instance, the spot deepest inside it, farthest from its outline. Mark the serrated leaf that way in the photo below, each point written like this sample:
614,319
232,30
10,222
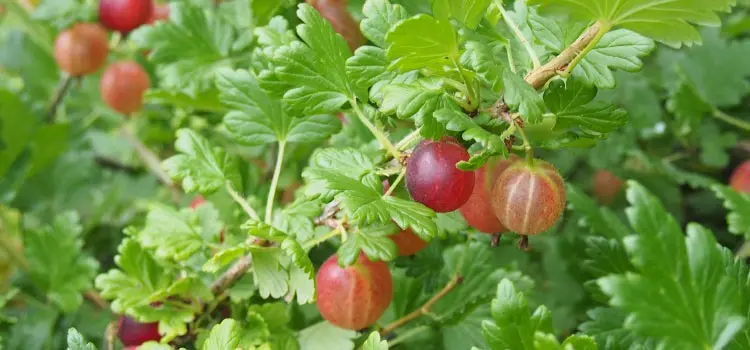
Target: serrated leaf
368,66
380,17
470,13
224,336
682,273
600,220
619,49
172,235
270,276
687,106
675,18
422,42
511,326
606,256
738,205
77,342
373,240
200,166
325,336
570,102
484,60
418,100
493,145
314,72
373,342
190,47
138,278
56,262
521,96
223,258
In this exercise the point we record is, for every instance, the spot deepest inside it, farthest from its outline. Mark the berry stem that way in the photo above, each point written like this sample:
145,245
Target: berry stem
312,243
471,94
241,201
526,144
731,120
66,81
425,309
274,181
395,183
232,275
519,34
374,130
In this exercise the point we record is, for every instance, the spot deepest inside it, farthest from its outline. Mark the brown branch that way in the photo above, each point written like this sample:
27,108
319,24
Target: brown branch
425,309
151,160
539,77
96,299
232,275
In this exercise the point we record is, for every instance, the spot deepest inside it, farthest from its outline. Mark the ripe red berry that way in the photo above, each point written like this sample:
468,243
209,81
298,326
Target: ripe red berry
122,86
740,179
160,12
433,179
529,198
134,333
82,49
478,210
408,243
606,186
124,15
335,12
353,297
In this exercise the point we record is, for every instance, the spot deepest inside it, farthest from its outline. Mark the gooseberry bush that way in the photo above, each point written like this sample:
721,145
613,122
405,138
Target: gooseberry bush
374,174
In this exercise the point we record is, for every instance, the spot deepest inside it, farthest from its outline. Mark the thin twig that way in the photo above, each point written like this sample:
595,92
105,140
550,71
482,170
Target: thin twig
274,181
151,160
731,120
234,273
241,201
425,309
375,131
116,165
109,335
59,96
96,299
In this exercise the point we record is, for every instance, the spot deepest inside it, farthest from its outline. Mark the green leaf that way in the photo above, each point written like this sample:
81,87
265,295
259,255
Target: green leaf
606,256
56,262
223,258
470,13
380,17
675,18
422,42
190,48
270,276
570,101
139,277
200,166
368,66
373,240
77,342
177,235
618,49
373,342
512,325
325,336
417,100
314,72
458,121
520,95
682,274
687,106
738,205
484,60
225,335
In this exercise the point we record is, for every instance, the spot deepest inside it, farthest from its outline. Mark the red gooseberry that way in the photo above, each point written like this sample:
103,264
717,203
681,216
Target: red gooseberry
336,13
353,297
529,197
82,49
124,15
740,179
160,12
606,186
134,333
122,86
478,210
433,179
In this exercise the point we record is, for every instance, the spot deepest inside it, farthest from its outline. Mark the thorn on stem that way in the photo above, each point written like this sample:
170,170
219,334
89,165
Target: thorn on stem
509,142
459,279
495,240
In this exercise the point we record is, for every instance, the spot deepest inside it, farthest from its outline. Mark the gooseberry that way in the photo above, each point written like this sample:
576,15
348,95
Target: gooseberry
353,297
740,179
478,210
134,333
606,186
122,86
82,49
160,12
529,197
124,15
433,179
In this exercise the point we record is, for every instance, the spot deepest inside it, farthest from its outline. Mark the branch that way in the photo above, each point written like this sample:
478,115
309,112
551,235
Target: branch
425,309
96,299
152,161
540,76
232,275
116,165
59,95
241,201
